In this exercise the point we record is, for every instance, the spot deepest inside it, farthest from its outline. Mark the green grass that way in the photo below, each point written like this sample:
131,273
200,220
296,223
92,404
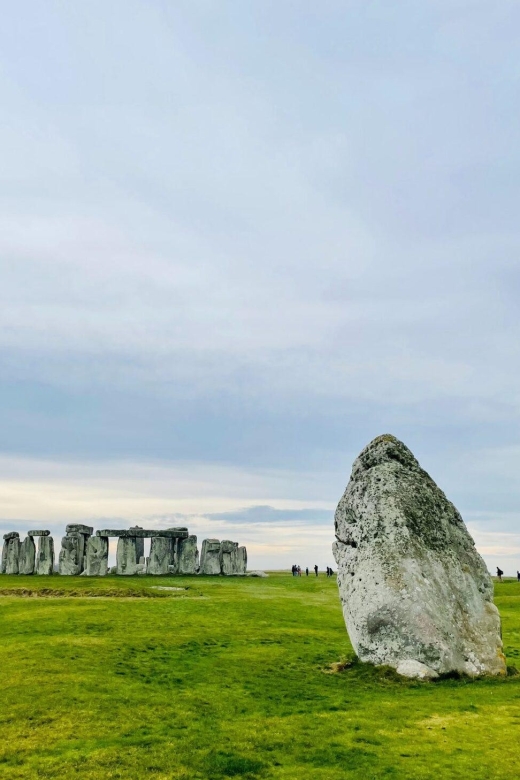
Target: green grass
230,679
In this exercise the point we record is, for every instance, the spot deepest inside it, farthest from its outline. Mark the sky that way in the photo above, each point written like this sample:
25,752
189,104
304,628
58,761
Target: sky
240,240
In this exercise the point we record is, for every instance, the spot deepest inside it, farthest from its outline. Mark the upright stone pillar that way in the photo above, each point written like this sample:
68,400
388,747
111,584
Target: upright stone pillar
4,555
97,556
27,556
85,532
45,553
228,557
139,543
71,554
241,560
126,558
187,556
210,557
12,553
160,555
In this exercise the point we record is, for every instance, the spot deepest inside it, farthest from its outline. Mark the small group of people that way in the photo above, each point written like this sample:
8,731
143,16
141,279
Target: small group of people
297,571
500,573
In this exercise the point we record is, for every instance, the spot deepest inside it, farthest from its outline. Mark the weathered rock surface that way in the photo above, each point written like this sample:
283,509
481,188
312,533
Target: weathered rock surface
71,554
228,557
161,555
187,556
45,555
139,542
12,554
241,560
38,533
79,528
126,557
416,595
11,535
96,556
143,533
210,557
27,556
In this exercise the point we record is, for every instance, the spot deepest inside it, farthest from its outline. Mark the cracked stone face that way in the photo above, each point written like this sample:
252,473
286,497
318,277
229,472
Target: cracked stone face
415,593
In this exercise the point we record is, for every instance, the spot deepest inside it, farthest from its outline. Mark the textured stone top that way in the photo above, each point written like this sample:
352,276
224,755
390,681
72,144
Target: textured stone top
38,533
78,528
143,533
12,535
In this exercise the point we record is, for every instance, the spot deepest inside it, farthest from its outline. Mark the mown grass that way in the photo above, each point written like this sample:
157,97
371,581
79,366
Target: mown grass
232,678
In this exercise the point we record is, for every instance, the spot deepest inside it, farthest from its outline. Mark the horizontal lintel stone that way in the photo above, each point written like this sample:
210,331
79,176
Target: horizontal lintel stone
38,533
143,533
79,528
12,535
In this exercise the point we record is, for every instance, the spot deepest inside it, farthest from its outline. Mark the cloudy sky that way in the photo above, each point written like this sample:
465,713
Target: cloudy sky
238,240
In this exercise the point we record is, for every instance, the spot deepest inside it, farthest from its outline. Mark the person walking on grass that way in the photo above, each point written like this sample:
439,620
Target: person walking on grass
316,570
518,576
499,574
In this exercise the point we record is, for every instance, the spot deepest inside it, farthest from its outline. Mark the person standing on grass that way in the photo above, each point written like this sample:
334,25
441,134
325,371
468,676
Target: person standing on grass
307,573
316,570
518,576
499,574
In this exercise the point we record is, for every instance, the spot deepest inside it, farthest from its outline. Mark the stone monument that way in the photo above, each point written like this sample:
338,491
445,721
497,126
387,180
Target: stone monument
416,594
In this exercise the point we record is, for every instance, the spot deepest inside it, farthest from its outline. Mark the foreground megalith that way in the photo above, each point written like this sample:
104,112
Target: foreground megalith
228,557
71,554
416,595
11,552
161,555
126,556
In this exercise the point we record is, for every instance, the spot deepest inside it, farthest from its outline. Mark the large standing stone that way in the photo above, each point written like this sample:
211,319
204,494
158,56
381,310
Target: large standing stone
161,555
126,557
96,556
85,532
45,555
139,541
187,557
241,560
4,556
27,556
210,557
416,594
12,555
71,554
228,557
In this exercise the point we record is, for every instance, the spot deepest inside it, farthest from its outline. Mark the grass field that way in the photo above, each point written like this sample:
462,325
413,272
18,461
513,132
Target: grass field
230,678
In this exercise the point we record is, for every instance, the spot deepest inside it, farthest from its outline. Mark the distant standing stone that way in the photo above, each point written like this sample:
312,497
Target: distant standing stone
27,556
71,554
187,556
160,555
12,555
416,594
97,556
126,557
139,542
241,560
228,557
210,557
45,555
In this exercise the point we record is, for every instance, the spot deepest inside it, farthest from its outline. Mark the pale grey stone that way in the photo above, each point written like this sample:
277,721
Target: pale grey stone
139,544
141,568
45,555
38,533
241,560
142,559
412,585
12,555
27,556
12,535
228,557
160,555
126,556
170,533
257,574
187,557
416,670
210,557
96,556
4,556
71,554
79,528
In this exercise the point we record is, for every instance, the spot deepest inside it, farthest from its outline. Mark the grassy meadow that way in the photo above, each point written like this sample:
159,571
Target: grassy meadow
231,678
